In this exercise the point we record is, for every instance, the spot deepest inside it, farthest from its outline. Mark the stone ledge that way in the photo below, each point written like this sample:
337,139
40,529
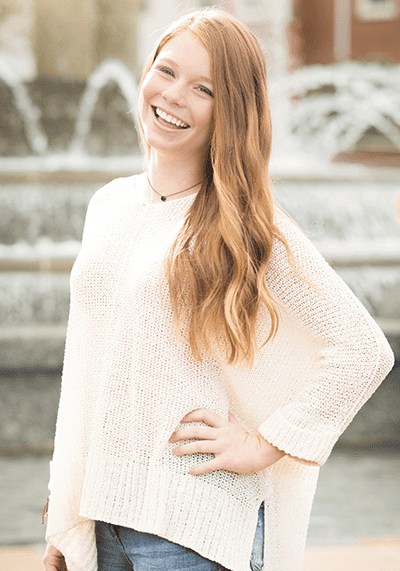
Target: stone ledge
43,346
343,259
30,347
63,265
68,167
391,329
29,400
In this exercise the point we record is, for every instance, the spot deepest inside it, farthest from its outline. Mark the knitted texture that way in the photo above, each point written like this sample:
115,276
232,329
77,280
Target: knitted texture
127,383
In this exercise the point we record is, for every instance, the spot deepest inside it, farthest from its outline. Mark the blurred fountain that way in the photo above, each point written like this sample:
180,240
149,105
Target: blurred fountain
108,70
335,105
76,136
354,226
75,157
29,113
347,210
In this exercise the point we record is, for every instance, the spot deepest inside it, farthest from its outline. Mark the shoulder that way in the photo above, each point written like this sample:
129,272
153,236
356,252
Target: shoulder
114,192
107,205
286,224
289,233
294,255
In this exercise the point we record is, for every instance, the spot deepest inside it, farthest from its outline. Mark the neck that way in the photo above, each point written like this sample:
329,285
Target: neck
169,177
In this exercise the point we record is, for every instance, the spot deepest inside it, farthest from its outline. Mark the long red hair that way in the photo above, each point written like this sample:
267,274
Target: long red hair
216,268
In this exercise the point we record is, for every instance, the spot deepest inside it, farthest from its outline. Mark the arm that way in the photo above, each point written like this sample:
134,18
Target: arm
354,356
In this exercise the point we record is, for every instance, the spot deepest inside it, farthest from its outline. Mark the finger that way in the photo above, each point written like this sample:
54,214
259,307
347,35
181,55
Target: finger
198,447
206,468
206,416
193,432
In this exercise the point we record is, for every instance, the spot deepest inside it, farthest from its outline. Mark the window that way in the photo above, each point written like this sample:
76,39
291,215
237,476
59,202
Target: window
377,9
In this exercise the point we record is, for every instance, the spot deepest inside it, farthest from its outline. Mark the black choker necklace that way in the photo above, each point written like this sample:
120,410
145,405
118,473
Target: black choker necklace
163,197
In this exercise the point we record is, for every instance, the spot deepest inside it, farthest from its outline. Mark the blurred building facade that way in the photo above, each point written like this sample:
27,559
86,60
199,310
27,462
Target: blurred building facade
328,31
54,44
54,47
68,40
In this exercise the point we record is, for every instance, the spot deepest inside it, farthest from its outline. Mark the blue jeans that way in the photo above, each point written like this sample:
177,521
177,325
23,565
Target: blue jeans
123,549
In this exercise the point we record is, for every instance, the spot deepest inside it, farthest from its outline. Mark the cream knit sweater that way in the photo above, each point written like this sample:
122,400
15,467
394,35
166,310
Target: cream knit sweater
127,383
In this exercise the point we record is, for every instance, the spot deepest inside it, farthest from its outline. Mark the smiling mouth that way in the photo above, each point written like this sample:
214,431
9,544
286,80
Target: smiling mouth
173,121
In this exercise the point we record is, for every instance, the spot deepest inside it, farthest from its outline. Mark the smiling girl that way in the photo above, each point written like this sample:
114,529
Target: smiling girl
213,358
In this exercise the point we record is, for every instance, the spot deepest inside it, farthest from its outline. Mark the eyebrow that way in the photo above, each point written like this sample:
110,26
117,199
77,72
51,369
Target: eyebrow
202,78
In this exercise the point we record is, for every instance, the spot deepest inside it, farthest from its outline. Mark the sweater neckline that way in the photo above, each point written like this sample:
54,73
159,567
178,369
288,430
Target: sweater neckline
168,203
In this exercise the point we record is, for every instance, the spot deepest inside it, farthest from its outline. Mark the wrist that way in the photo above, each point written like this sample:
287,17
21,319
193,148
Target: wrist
271,453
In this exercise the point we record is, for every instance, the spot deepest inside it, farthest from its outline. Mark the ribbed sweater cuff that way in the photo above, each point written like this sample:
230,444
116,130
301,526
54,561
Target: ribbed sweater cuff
298,442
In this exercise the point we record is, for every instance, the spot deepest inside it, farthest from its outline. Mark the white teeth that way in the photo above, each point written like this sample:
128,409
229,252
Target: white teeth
170,119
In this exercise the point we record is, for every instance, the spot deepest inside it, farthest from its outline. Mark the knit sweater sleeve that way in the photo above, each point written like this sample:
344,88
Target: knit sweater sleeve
354,356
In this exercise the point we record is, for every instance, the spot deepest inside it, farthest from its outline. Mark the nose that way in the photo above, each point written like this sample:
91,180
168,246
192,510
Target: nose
175,94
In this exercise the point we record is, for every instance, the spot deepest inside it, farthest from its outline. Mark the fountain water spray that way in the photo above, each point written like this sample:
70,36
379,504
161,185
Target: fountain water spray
108,70
353,225
28,111
335,105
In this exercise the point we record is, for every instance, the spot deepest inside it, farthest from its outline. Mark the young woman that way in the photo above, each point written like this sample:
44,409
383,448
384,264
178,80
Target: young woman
213,358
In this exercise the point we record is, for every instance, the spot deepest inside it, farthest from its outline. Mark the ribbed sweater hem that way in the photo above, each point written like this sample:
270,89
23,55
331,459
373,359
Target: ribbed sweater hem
181,508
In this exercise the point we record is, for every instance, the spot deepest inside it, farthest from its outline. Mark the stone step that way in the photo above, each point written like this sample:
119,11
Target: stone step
42,346
32,211
29,401
47,256
352,222
34,298
35,347
34,290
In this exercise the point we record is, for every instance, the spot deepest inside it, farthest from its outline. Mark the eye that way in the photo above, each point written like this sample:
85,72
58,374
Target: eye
205,90
167,71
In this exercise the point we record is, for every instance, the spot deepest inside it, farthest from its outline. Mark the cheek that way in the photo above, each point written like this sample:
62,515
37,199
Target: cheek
143,102
207,122
140,103
145,93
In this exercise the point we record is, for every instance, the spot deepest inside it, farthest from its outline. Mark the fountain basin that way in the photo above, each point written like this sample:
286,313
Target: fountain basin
352,222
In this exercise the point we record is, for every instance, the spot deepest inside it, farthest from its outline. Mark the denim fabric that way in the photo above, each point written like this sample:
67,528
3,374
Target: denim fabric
123,549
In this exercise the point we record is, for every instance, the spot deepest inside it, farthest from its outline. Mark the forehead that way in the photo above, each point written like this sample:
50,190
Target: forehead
187,51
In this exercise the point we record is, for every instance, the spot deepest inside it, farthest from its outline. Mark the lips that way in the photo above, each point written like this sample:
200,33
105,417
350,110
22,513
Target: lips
170,119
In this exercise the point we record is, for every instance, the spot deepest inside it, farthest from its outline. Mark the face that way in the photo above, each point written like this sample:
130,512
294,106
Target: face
176,99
